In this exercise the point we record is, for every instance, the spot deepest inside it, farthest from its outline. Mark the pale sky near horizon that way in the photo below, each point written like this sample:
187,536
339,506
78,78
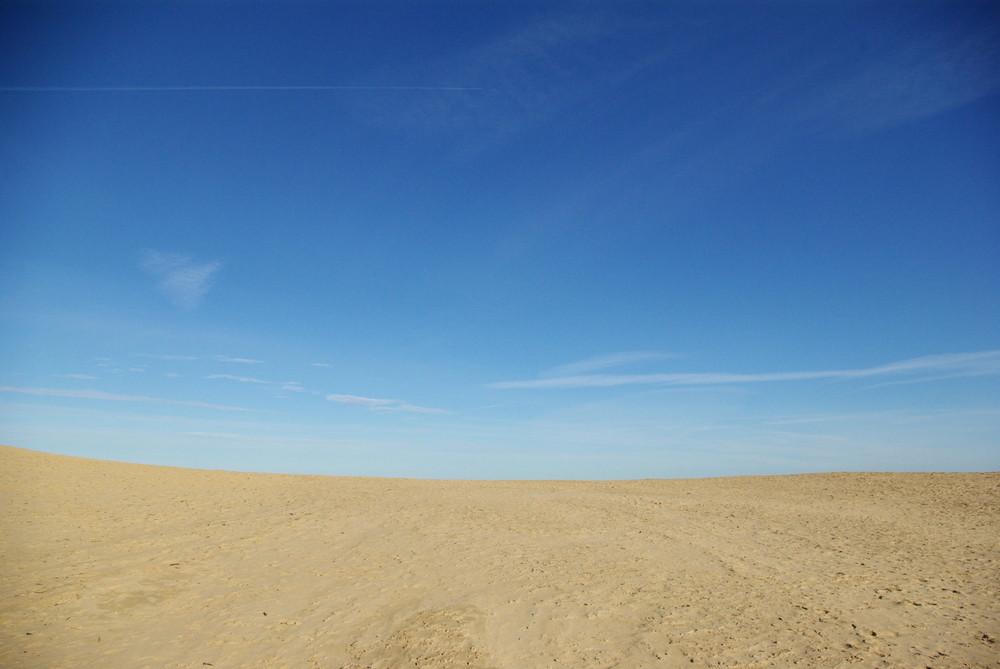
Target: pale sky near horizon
502,239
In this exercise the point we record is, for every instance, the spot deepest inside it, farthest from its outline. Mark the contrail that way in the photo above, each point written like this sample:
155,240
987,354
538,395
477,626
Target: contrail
143,89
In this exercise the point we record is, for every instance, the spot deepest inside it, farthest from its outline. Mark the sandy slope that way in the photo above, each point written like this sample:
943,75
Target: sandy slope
107,564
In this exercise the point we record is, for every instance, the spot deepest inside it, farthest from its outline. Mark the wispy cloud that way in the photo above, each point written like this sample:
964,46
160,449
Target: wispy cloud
180,278
296,387
241,379
292,386
898,415
101,395
216,358
605,361
526,75
412,408
927,77
117,367
356,401
226,358
320,364
380,404
87,377
954,364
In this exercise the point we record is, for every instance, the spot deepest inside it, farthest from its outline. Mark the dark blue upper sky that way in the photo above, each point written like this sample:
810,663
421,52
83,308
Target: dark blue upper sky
729,218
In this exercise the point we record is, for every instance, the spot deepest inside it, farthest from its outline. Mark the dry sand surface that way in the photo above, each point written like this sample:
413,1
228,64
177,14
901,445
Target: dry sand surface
107,564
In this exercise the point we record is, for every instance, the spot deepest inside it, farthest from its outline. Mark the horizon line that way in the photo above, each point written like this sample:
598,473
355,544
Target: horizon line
447,479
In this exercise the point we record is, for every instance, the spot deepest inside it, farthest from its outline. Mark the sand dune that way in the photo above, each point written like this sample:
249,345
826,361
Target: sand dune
107,564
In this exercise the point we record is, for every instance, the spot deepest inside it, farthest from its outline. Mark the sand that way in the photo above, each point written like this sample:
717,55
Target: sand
107,564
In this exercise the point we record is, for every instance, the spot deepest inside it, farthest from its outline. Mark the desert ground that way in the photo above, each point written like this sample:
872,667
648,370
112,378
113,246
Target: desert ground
106,564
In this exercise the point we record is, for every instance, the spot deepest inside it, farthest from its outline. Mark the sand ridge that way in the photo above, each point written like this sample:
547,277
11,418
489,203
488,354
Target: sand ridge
113,564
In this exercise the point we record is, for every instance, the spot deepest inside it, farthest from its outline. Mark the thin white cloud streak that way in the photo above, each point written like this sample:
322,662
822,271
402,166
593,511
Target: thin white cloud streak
411,408
296,387
958,364
899,415
377,404
101,395
217,358
320,364
605,361
928,379
605,380
976,363
241,379
87,377
293,386
356,401
182,280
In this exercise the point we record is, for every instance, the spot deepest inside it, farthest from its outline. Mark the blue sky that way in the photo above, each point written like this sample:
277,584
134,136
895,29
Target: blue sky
502,240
